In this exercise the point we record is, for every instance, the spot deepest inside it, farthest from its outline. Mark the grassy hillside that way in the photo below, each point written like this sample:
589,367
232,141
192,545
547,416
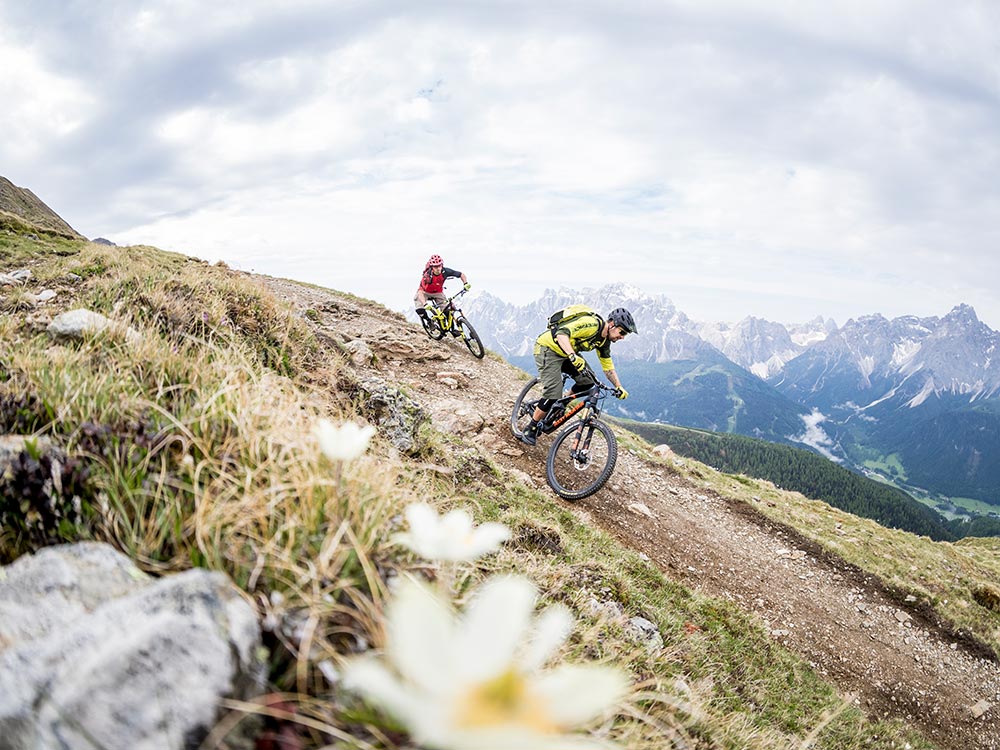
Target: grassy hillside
194,447
24,206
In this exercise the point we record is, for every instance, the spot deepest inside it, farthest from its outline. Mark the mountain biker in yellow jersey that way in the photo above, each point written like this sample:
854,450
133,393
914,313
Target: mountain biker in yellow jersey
431,289
556,353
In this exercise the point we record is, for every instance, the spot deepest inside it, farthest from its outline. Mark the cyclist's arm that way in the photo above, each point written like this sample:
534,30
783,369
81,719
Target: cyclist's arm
563,340
613,377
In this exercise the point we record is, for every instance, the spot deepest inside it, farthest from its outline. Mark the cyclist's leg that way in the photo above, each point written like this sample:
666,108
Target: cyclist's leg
549,366
438,300
582,381
418,304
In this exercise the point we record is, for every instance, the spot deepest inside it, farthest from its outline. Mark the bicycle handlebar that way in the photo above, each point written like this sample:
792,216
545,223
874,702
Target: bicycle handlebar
598,383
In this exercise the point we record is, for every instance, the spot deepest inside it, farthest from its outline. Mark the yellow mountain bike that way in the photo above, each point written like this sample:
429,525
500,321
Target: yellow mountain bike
449,319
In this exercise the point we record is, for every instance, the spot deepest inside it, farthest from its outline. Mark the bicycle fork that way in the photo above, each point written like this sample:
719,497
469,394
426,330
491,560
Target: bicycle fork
580,452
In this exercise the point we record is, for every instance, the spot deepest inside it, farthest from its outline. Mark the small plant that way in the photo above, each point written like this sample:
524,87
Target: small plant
987,596
45,499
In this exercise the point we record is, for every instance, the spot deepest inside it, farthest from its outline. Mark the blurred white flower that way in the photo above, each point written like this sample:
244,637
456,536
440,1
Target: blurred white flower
343,443
477,682
451,537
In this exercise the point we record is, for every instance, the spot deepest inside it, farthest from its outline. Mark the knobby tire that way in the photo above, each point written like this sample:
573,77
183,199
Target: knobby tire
567,477
519,421
471,338
432,328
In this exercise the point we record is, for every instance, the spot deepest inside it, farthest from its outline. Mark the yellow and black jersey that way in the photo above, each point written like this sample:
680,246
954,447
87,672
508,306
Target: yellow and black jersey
585,335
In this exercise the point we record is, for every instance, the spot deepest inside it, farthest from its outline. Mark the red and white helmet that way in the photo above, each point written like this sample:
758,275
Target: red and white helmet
435,261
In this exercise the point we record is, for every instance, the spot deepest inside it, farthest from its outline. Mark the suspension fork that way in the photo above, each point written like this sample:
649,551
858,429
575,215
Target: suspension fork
585,426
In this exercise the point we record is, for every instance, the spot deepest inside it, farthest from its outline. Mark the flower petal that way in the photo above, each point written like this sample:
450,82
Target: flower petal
423,535
372,680
577,693
419,629
510,737
495,622
457,523
552,627
487,538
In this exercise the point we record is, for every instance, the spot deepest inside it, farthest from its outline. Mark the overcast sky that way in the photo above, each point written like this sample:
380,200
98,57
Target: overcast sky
772,158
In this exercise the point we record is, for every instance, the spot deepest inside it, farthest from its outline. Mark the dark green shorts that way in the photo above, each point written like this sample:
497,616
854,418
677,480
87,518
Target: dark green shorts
550,370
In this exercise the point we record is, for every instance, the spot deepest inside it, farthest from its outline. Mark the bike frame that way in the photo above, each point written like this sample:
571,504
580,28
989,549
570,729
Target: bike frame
589,408
446,314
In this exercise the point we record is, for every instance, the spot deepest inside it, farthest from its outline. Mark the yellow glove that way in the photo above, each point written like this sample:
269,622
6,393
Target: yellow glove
468,286
621,394
578,362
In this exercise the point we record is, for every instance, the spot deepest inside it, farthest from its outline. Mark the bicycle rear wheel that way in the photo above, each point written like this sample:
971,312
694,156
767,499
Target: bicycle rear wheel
524,407
581,459
432,328
471,338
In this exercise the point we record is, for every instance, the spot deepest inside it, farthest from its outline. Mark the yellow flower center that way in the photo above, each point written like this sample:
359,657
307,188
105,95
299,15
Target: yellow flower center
503,700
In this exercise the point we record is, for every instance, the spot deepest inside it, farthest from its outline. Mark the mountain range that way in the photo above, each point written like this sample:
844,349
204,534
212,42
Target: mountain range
914,401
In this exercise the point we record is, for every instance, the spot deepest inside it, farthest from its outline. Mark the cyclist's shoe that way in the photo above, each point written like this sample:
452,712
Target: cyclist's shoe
530,434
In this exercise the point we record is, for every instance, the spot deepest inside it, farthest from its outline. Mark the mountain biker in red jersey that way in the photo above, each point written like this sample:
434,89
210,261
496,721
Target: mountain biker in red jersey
431,289
556,353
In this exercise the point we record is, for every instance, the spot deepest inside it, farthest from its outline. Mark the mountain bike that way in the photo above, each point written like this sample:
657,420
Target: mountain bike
582,457
449,319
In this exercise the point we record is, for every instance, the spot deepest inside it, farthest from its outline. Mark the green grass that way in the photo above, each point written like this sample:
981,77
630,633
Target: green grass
889,466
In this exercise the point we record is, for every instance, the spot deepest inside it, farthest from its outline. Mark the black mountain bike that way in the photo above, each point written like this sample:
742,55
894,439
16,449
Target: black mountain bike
583,455
449,319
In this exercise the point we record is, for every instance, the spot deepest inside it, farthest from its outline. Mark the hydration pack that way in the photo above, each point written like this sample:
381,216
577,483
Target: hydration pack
570,313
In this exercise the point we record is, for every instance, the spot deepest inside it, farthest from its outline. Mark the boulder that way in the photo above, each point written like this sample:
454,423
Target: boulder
79,323
457,417
397,415
95,653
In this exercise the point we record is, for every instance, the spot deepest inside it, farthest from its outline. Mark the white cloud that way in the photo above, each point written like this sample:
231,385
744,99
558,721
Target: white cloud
781,159
815,436
38,106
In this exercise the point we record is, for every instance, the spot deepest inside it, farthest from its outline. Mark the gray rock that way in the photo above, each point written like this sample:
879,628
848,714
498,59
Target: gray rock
979,710
457,417
15,278
94,653
42,297
397,415
360,353
79,323
646,632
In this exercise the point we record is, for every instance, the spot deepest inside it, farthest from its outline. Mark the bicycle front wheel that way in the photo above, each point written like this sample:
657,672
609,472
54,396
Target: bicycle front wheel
581,459
524,407
432,328
471,338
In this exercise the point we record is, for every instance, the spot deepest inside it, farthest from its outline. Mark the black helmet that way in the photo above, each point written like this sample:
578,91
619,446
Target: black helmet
623,319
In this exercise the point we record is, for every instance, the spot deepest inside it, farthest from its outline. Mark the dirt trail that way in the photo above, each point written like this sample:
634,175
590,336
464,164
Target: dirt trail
895,661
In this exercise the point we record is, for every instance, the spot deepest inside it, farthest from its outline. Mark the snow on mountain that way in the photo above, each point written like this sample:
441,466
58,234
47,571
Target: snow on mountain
870,360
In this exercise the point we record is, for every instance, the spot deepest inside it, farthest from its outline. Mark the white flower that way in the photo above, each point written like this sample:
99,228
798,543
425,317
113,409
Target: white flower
343,443
451,537
476,683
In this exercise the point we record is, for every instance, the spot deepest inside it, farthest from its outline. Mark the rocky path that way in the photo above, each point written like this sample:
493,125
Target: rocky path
893,660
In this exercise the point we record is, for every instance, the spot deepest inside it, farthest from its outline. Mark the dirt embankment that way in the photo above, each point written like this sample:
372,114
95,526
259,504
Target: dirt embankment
894,659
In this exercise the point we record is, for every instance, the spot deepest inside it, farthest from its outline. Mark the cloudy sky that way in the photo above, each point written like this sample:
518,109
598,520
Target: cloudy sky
784,159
